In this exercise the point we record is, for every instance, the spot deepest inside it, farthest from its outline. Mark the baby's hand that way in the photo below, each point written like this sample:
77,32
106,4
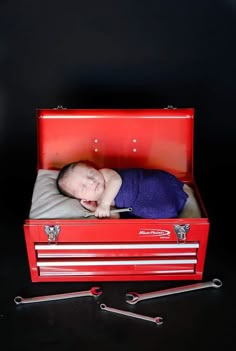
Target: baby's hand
102,210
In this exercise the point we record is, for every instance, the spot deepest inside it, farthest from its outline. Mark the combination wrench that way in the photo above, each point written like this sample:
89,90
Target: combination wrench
94,291
134,297
156,320
126,209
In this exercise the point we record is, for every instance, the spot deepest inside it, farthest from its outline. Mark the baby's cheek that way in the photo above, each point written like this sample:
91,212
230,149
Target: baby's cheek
77,195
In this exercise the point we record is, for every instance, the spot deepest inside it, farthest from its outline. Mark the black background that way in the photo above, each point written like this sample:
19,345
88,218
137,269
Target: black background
124,54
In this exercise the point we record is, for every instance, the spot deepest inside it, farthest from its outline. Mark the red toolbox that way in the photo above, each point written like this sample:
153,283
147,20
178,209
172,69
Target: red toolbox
78,249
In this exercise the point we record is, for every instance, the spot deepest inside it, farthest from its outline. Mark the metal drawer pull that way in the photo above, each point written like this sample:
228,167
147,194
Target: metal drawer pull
126,209
95,291
156,320
134,297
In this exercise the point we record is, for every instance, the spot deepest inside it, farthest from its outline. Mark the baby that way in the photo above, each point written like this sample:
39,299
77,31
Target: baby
151,193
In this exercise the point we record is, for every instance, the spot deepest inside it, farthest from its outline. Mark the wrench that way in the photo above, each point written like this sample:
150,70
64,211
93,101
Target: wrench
95,291
157,320
126,209
134,297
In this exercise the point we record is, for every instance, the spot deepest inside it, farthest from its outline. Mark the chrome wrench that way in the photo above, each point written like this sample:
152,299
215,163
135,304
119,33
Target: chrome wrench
95,291
156,320
126,209
134,297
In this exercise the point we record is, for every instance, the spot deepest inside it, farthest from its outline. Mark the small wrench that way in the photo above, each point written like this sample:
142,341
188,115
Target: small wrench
95,291
126,209
134,297
157,320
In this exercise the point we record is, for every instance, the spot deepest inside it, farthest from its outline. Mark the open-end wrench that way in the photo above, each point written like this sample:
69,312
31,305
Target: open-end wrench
95,291
134,297
156,320
126,209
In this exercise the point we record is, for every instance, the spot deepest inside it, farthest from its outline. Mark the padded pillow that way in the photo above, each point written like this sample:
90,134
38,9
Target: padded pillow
48,203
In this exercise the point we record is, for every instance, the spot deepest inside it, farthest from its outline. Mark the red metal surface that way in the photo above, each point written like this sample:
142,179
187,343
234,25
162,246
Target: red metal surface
81,241
117,231
125,249
118,138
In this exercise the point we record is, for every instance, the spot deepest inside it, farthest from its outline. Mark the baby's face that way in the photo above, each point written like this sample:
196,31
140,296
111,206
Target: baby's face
84,182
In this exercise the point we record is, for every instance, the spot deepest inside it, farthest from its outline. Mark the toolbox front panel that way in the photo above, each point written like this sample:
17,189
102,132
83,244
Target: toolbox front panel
102,250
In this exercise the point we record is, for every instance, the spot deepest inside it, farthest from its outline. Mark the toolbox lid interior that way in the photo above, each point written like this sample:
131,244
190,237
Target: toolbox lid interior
121,138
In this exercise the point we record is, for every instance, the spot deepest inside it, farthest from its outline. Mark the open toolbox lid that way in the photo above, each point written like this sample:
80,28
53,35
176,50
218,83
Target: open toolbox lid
121,138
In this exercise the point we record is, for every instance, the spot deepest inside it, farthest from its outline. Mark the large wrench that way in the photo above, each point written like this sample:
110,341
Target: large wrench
126,209
157,320
95,291
134,297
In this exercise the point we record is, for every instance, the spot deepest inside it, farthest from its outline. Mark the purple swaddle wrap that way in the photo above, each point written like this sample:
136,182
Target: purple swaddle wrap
151,193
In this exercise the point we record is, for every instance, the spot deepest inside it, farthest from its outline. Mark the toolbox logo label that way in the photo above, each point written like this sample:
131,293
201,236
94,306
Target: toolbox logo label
162,233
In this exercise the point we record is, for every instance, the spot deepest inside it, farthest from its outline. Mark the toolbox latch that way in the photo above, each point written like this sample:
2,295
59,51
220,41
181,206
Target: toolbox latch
181,231
52,232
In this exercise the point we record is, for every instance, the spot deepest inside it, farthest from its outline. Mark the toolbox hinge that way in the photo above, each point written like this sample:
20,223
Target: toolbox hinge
170,107
181,231
60,107
52,232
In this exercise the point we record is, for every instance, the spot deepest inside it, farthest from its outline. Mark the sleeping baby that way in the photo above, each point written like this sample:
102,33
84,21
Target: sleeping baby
151,193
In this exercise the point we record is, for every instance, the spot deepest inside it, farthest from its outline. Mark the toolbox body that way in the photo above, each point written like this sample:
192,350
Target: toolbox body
126,249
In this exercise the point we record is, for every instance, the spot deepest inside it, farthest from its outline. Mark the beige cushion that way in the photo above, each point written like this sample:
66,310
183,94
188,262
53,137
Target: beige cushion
48,203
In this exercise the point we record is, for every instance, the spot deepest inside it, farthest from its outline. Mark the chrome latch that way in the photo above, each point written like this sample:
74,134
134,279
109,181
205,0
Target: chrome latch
181,231
52,232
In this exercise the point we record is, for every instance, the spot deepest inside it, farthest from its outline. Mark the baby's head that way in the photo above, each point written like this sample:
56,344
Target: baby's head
81,180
